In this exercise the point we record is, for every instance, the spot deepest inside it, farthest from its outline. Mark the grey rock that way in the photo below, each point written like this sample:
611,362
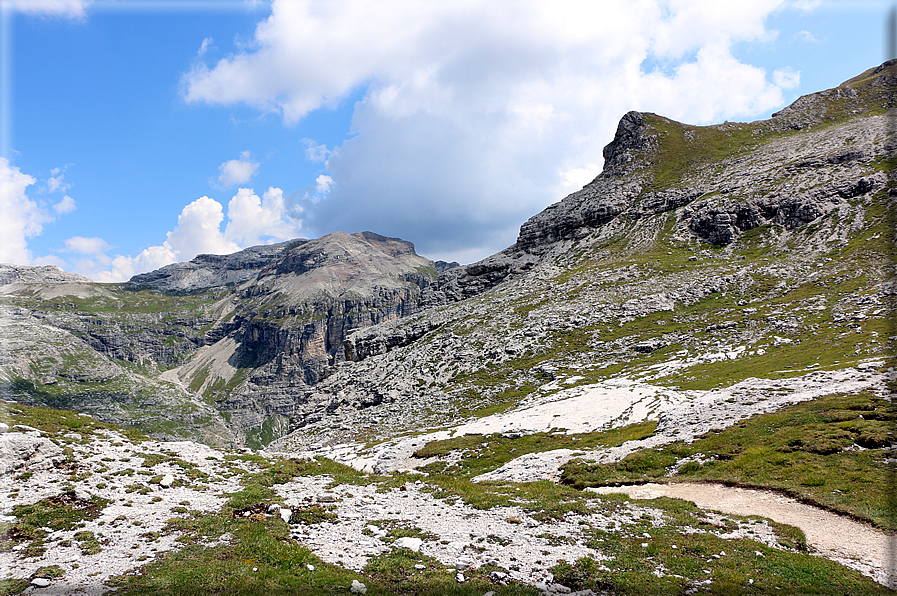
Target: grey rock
358,587
19,452
40,582
409,542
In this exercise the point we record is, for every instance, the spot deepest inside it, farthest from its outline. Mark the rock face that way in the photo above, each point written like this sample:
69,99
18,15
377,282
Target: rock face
44,274
655,165
245,333
354,333
211,271
681,255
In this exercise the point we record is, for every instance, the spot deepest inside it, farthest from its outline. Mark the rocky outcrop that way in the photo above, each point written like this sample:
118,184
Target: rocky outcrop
210,271
27,451
43,274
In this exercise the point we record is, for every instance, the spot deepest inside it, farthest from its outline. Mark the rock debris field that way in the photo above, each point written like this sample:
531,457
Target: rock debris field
128,491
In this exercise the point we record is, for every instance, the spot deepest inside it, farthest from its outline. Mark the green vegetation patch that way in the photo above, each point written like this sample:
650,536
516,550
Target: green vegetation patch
481,454
60,512
61,422
828,451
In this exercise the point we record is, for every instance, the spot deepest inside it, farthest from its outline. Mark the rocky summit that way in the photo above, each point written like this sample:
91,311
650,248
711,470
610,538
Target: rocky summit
710,318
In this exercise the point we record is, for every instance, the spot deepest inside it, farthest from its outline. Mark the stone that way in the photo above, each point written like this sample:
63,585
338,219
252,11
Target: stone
20,451
286,514
358,587
327,498
459,577
82,495
167,481
40,582
273,508
409,542
310,567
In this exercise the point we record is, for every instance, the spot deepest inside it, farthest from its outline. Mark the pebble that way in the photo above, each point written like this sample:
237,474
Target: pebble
40,582
310,567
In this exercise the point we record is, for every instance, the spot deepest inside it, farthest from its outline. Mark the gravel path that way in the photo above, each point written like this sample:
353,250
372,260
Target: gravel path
836,537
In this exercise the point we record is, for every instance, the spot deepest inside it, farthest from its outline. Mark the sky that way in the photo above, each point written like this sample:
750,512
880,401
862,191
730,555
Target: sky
138,133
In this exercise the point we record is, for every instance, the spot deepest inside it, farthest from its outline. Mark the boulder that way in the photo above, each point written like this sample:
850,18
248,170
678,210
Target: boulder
20,452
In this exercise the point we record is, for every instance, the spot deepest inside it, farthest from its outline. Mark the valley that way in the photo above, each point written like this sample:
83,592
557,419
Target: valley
716,307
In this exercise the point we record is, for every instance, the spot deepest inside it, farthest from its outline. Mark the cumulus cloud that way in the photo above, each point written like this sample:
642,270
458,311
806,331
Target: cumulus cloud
66,205
237,171
86,246
64,8
314,152
23,217
476,115
806,37
207,43
253,218
786,78
250,220
56,182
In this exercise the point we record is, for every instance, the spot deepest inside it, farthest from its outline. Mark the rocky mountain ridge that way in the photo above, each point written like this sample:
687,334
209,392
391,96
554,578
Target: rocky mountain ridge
711,315
226,338
291,335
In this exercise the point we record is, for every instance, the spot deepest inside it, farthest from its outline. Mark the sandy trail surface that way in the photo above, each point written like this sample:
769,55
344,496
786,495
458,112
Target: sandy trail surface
837,537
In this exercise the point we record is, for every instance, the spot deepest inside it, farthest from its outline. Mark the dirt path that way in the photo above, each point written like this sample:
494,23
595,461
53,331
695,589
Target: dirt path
851,543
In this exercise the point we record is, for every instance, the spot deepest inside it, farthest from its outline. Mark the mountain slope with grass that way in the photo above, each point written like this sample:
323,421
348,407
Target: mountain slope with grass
217,349
713,310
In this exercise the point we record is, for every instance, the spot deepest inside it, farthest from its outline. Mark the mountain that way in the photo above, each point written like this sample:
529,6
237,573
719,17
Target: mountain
700,257
678,380
212,349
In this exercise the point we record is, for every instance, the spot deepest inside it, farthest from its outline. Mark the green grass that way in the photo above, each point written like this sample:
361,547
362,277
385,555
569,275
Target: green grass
59,512
482,454
800,449
60,422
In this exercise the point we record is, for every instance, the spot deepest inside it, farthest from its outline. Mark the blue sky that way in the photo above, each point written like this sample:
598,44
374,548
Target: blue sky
138,133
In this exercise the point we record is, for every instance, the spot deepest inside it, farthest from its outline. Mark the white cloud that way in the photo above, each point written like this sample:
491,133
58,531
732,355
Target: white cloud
786,78
237,171
253,219
204,47
250,221
314,152
199,231
86,246
65,8
23,217
806,5
66,205
56,181
806,37
476,115
323,184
